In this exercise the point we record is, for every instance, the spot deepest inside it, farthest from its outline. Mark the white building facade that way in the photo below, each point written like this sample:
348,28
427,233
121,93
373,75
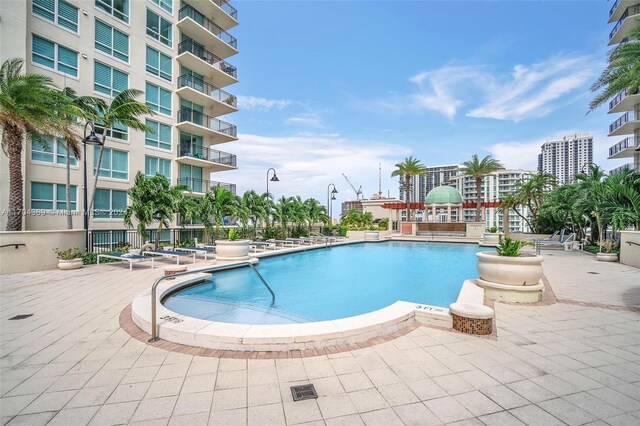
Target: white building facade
567,156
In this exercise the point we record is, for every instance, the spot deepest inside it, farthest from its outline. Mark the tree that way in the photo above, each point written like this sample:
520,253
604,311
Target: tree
592,197
215,205
25,114
316,212
530,192
623,71
408,168
622,199
478,169
124,110
152,199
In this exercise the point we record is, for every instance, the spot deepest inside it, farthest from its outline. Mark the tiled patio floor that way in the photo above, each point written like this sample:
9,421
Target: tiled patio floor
70,363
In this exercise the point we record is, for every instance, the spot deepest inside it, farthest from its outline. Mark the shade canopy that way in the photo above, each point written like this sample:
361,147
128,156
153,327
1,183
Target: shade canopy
443,195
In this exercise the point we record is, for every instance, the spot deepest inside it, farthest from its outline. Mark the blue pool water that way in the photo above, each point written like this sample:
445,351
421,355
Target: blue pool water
334,283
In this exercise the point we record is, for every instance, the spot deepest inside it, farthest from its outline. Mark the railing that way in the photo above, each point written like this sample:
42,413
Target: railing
618,98
199,185
15,246
101,241
625,143
188,149
622,168
631,10
622,120
208,270
202,86
614,7
189,12
196,117
198,50
224,5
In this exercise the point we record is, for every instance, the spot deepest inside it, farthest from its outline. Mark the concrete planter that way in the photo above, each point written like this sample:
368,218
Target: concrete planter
66,265
607,257
491,239
232,250
371,235
512,279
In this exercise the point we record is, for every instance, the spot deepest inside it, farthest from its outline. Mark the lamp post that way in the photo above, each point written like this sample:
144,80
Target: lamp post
274,178
582,169
330,197
94,140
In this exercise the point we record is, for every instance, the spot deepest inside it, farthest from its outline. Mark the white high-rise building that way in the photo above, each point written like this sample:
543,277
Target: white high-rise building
422,184
565,157
625,14
174,51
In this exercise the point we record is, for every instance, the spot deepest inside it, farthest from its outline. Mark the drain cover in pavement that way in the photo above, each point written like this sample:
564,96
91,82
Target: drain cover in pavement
303,392
19,317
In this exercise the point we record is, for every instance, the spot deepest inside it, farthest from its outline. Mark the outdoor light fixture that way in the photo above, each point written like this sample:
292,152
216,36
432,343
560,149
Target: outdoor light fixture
330,197
274,178
91,139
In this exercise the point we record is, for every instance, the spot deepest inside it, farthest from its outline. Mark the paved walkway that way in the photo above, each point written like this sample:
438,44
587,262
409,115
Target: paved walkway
70,363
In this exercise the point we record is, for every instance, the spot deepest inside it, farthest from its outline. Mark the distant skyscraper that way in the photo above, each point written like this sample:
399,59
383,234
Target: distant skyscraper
566,156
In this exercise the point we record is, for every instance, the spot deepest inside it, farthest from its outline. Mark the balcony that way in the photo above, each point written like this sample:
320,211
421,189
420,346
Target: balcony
624,101
220,11
618,9
200,92
625,124
194,56
201,156
200,186
624,25
200,124
624,148
622,168
204,31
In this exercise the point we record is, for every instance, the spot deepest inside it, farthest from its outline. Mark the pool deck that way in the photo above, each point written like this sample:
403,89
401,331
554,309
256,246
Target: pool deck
576,361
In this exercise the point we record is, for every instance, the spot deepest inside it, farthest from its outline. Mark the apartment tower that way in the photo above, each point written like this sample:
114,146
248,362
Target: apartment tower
174,51
422,184
567,156
625,14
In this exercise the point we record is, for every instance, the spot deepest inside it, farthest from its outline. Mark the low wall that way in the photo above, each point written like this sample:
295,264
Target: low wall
521,236
475,229
630,253
360,234
37,253
441,227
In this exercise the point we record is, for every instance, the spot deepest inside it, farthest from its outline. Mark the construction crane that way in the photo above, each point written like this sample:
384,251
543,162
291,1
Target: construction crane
357,191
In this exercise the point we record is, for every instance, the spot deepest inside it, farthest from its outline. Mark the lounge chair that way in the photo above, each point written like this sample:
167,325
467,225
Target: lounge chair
263,245
198,250
281,243
169,253
126,257
565,242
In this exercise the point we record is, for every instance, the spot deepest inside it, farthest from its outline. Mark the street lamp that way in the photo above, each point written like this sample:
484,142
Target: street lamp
331,194
582,169
274,178
94,140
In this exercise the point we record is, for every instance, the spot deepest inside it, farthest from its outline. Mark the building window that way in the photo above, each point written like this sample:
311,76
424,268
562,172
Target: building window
164,4
109,80
118,131
114,164
111,41
116,8
158,99
52,196
47,151
159,28
54,56
158,64
162,137
155,165
59,12
109,204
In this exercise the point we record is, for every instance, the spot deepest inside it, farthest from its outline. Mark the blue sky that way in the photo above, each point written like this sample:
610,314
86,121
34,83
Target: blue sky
328,87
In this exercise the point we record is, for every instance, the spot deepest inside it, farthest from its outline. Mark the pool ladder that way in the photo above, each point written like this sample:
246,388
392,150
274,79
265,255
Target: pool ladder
211,269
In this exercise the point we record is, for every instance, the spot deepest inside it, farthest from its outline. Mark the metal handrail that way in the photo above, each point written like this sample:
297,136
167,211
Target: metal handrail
632,242
13,245
211,269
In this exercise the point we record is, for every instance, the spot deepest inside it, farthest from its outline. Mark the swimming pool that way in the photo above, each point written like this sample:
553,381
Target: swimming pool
326,284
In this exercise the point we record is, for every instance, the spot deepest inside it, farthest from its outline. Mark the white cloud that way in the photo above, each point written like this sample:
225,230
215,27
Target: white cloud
310,119
307,163
262,104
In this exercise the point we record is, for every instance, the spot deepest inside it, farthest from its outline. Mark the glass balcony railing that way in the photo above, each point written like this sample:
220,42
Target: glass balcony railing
620,97
195,117
230,10
189,12
202,86
625,143
202,186
631,10
614,7
188,149
196,49
622,120
621,169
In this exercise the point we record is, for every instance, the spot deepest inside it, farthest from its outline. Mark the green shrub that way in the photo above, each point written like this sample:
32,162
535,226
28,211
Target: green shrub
68,254
272,232
234,234
492,230
299,231
511,248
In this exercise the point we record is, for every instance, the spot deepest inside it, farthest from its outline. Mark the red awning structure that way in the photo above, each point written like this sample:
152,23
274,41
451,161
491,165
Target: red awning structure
487,204
403,206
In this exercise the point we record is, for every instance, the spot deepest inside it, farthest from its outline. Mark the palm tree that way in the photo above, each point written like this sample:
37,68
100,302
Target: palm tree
408,168
152,199
124,110
316,212
478,169
257,208
623,71
591,186
25,113
216,205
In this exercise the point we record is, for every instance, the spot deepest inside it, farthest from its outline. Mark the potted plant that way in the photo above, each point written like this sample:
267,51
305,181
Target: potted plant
607,254
234,248
371,234
70,258
491,237
508,274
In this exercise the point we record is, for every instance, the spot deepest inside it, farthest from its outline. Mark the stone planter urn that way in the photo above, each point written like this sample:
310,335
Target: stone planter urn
371,235
513,279
607,257
237,250
69,264
490,239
